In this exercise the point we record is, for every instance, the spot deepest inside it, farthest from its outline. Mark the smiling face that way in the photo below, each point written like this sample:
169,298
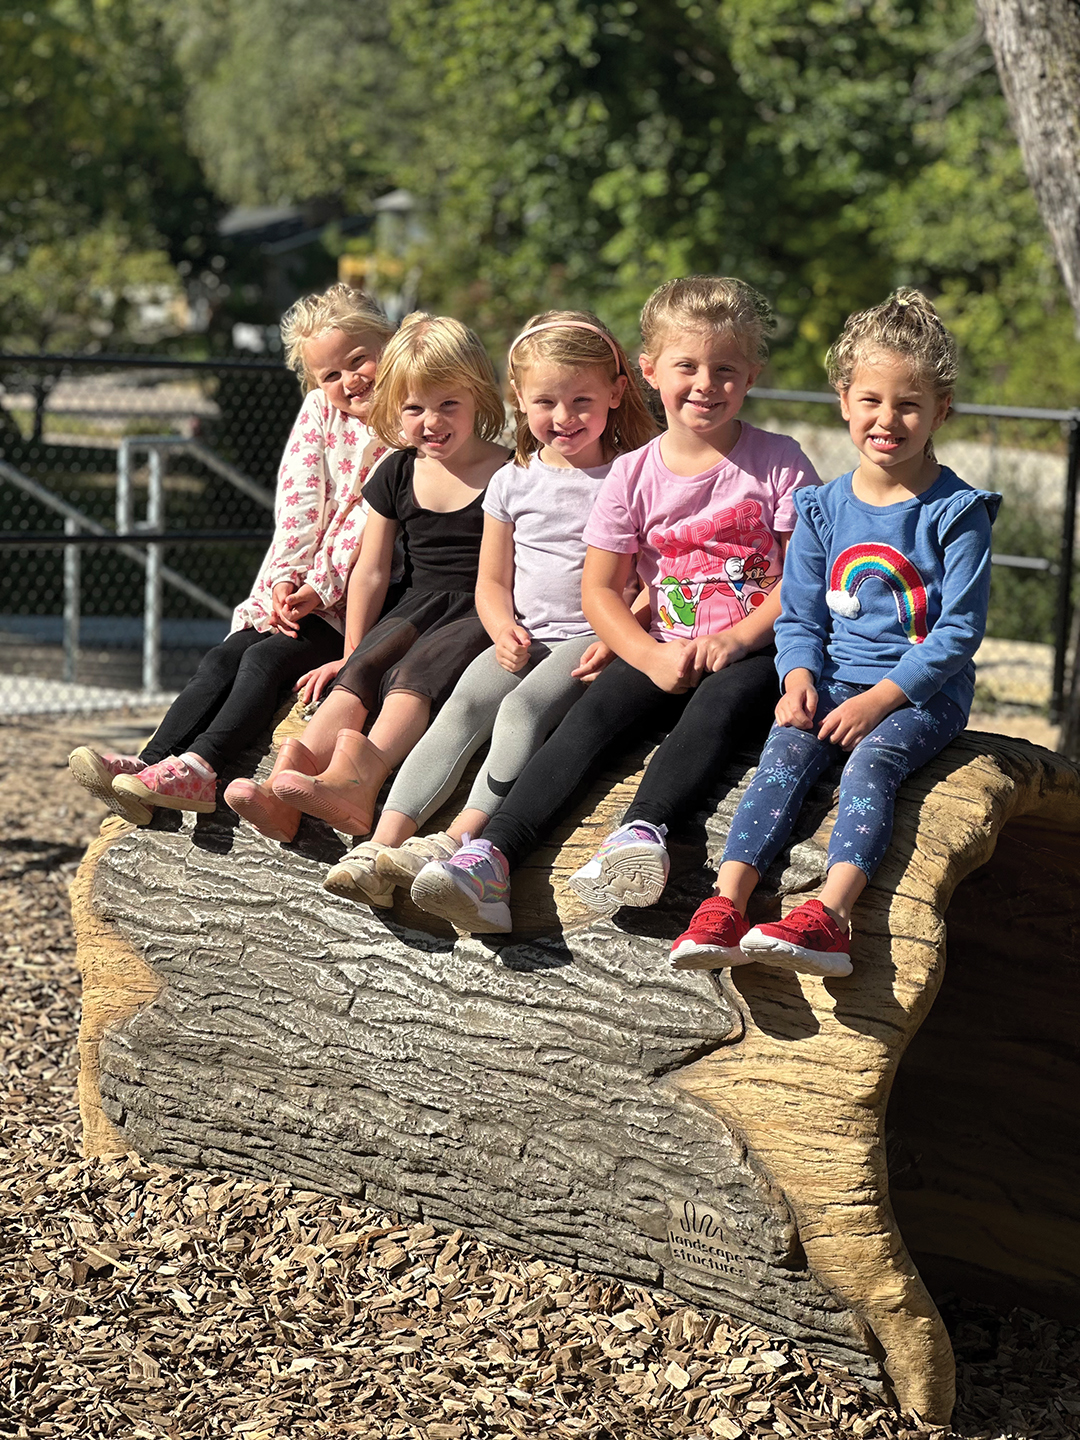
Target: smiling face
891,413
343,367
702,378
567,409
439,421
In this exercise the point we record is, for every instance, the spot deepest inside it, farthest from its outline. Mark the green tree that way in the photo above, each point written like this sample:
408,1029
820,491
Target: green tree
99,195
582,150
289,102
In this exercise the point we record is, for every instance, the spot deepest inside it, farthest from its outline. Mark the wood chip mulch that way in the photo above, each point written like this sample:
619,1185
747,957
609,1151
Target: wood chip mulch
141,1301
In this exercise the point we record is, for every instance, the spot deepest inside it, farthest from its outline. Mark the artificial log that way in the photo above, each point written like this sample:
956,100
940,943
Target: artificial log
563,1091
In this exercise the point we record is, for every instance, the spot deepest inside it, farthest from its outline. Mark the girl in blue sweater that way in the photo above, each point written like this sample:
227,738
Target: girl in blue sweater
884,596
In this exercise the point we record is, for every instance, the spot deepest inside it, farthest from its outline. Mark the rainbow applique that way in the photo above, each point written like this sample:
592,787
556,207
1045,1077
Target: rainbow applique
859,563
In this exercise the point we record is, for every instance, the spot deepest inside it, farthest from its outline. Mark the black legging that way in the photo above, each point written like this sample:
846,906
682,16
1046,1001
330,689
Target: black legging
730,708
238,686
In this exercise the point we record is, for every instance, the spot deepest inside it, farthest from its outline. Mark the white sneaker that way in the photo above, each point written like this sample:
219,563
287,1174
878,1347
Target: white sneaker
401,864
354,877
630,868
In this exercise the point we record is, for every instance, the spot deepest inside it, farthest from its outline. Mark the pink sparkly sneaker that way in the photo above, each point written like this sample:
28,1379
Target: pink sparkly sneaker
173,785
96,772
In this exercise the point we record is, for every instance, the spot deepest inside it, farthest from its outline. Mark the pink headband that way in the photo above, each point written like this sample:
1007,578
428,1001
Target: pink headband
569,325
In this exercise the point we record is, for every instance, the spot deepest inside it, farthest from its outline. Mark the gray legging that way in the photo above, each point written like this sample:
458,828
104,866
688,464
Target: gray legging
518,710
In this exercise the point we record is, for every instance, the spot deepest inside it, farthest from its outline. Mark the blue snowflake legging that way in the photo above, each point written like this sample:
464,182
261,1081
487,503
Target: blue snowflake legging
793,759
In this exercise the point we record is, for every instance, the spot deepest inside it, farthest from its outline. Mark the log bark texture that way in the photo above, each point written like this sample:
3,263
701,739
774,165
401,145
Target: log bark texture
562,1091
1036,45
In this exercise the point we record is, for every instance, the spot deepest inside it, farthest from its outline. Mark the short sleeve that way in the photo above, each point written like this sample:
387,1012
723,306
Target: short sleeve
794,473
611,526
382,493
498,492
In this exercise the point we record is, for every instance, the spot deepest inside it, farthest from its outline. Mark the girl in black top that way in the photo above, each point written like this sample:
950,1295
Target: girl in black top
436,390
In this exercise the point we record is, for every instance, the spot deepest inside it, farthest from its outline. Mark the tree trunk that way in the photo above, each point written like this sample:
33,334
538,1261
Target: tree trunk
563,1091
1036,45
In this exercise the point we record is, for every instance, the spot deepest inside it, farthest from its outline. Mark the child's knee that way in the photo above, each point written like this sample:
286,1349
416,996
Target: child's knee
221,662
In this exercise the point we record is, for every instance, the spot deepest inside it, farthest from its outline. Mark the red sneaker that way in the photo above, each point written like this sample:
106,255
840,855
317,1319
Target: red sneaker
712,938
808,940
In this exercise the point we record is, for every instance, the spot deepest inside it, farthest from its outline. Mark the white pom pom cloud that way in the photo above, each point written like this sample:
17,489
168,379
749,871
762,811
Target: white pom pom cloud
842,602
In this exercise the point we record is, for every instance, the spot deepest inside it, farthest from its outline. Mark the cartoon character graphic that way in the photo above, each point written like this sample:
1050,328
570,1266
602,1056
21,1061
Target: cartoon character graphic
683,597
854,566
721,555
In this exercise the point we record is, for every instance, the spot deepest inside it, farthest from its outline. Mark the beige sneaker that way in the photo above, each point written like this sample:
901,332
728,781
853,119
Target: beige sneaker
401,864
354,877
96,772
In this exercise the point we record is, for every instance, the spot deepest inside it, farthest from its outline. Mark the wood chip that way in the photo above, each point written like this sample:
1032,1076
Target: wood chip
148,1302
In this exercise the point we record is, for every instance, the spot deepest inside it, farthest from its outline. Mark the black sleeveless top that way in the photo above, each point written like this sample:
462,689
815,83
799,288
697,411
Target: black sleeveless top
442,550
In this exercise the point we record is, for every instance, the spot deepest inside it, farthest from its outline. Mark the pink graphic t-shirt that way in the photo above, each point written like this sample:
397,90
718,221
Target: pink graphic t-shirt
706,544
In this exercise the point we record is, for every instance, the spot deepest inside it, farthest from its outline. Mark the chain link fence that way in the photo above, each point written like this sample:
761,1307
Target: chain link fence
178,458
138,494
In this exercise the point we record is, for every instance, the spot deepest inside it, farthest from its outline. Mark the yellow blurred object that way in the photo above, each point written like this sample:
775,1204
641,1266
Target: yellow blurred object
354,269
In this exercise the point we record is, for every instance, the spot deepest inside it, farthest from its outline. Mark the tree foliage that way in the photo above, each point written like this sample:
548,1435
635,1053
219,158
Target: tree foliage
583,150
99,195
561,151
291,102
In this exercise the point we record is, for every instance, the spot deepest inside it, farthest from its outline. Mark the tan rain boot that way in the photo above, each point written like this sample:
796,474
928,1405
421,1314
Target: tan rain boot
344,794
256,802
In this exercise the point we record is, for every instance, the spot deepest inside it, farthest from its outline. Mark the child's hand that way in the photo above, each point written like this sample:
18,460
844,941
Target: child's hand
512,647
300,603
280,617
595,659
312,685
713,652
798,704
670,668
853,720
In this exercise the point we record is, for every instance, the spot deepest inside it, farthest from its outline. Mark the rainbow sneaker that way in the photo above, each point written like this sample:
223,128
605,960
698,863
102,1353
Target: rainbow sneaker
471,889
807,940
630,868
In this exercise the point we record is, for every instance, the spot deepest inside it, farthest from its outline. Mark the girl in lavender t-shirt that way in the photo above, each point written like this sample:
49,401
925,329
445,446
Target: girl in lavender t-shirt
704,513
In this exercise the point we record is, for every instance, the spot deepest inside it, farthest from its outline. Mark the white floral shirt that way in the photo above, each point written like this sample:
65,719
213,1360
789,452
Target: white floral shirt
319,515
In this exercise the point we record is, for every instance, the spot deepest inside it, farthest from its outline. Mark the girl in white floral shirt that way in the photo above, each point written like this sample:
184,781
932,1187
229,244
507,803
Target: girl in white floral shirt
294,618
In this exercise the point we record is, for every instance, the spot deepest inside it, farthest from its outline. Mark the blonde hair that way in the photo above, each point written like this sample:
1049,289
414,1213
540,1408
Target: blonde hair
312,316
577,340
704,303
429,352
905,325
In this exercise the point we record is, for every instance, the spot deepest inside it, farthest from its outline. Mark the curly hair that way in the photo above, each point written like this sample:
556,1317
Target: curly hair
905,325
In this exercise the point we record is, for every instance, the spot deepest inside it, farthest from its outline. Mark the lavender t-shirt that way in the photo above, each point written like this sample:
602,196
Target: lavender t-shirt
707,546
548,506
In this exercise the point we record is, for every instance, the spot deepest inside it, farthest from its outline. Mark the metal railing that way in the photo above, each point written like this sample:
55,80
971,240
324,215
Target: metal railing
139,540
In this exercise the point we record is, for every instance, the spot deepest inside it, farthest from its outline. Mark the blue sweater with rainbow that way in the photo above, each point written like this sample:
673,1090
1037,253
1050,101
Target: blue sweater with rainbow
897,592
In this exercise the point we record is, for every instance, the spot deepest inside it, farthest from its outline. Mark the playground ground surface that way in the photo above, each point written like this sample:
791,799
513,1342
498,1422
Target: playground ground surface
141,1301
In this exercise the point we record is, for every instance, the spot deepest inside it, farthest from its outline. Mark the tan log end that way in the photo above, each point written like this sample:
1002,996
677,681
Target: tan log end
116,982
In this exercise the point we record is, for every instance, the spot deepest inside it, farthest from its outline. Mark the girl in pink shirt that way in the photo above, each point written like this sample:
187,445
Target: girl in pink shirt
703,512
294,618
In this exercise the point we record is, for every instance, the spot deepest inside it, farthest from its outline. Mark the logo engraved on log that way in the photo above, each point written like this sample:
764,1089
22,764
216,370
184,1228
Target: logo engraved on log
696,1240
